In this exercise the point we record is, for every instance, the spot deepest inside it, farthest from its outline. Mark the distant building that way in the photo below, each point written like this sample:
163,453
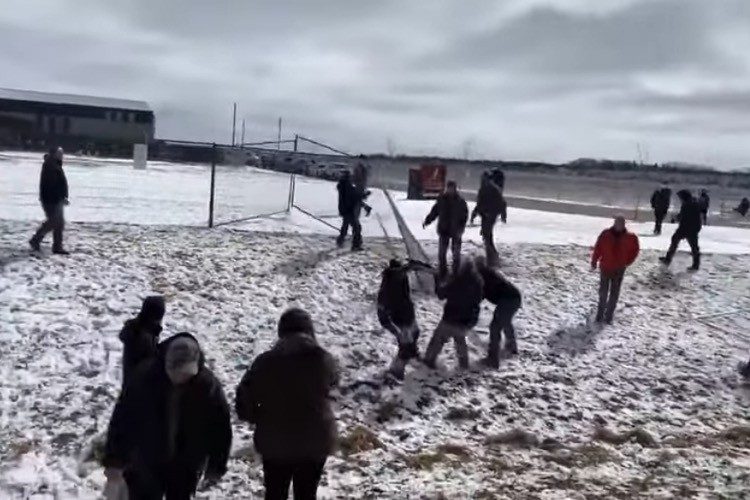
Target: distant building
34,119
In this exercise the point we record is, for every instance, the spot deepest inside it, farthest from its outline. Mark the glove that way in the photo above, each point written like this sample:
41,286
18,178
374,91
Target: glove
66,202
593,266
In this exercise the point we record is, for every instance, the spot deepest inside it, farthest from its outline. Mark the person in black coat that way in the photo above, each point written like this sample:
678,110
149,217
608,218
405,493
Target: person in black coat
452,213
286,394
53,195
396,314
743,207
140,335
490,205
705,203
462,293
350,206
170,425
690,224
507,299
660,202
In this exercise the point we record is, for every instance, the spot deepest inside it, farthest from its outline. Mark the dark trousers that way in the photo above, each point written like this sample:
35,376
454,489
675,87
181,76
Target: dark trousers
455,244
609,294
406,337
502,322
488,237
443,333
175,484
692,240
704,217
305,475
55,222
351,220
659,218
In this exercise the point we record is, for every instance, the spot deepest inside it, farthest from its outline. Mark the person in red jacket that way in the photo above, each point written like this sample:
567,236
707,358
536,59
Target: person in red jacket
615,250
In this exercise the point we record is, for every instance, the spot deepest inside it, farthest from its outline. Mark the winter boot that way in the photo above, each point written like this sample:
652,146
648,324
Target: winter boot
696,264
35,244
745,370
511,347
60,251
665,260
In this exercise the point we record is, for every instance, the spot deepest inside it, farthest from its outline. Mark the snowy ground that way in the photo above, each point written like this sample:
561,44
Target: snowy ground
647,407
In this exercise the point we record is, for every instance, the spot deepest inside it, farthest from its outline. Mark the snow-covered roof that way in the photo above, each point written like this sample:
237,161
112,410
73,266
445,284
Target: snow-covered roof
72,99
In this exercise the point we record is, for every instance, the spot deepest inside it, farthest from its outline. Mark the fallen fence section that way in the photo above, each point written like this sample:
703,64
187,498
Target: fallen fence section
425,280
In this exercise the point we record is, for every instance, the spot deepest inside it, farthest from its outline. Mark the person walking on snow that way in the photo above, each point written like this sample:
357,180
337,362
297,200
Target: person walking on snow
743,207
396,314
140,335
615,250
660,201
462,293
452,213
705,203
170,426
688,229
507,300
53,194
286,394
490,205
350,205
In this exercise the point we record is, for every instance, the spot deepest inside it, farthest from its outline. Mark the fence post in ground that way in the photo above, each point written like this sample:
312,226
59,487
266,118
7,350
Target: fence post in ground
213,187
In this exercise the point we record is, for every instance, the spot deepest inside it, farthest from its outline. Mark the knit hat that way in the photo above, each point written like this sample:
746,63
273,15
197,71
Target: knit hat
183,356
152,310
295,321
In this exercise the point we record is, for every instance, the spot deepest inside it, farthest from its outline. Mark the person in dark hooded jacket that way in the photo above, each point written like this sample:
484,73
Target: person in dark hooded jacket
490,205
140,335
53,195
743,207
690,224
350,206
507,300
660,202
452,213
170,425
705,203
286,393
396,314
463,293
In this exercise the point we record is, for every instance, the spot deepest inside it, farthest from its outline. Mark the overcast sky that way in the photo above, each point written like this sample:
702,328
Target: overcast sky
533,79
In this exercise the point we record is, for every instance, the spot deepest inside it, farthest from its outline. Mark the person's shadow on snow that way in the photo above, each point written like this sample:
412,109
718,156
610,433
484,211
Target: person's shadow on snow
574,339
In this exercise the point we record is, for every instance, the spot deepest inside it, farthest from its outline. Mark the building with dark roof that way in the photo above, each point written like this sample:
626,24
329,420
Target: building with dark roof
73,121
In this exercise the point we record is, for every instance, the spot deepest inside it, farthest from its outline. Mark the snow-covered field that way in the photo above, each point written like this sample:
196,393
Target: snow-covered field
648,407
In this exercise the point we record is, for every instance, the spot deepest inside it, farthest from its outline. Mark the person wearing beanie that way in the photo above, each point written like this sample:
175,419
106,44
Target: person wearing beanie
396,314
140,335
286,394
170,425
452,213
53,195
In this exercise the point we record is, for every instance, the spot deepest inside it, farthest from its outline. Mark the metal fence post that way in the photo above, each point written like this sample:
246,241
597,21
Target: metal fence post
213,186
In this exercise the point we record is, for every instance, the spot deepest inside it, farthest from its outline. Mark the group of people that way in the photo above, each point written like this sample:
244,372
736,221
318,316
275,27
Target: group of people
170,427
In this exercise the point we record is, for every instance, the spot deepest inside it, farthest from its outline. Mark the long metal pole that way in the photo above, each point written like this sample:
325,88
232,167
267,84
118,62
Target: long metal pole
234,122
242,142
213,186
278,144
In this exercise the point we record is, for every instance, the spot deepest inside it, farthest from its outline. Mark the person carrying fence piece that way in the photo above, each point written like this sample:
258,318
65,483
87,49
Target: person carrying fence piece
490,205
350,200
170,426
396,313
286,394
615,250
660,202
690,224
53,195
463,293
507,300
452,213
